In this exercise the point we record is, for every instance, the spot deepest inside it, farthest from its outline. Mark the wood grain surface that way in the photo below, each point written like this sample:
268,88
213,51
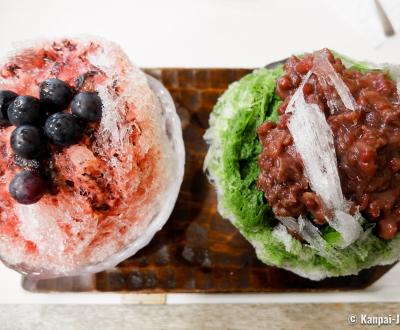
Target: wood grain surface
197,250
191,317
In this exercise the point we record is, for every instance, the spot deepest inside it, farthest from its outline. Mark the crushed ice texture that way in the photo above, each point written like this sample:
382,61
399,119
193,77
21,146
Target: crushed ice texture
327,74
86,246
313,139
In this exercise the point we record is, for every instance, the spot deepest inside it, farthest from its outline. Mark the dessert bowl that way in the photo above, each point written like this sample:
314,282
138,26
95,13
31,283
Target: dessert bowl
110,157
303,157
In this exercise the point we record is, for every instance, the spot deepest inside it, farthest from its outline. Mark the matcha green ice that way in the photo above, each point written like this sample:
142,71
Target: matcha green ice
231,164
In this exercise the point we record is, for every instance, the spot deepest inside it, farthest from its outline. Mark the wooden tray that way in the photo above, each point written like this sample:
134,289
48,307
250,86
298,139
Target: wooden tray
197,250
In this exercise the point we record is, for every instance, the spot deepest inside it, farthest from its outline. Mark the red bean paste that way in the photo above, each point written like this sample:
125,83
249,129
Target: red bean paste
367,144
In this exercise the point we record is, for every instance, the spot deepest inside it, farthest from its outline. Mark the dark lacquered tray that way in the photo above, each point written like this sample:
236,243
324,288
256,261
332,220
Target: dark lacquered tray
197,250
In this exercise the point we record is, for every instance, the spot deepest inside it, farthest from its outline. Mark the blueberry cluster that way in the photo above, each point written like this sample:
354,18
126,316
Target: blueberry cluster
42,121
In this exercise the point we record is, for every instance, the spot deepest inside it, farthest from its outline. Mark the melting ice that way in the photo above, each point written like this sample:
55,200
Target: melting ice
313,139
326,74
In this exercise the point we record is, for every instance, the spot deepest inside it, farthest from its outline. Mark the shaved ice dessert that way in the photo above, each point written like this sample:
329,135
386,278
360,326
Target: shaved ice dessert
91,157
305,157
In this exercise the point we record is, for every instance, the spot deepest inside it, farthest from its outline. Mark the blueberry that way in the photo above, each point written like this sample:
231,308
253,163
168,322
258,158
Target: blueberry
27,187
25,110
27,142
63,129
87,106
55,94
6,97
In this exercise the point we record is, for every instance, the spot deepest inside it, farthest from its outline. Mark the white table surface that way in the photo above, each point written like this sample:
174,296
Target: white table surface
196,33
